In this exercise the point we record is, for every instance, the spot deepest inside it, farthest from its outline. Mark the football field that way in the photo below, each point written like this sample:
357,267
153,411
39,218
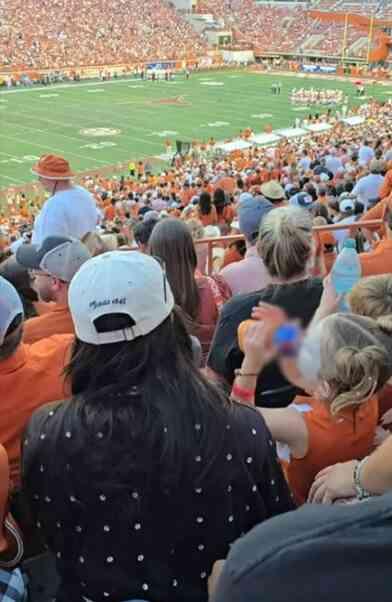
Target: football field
96,124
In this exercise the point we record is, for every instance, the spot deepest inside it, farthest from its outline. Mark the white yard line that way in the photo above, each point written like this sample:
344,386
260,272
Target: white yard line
56,149
14,180
30,115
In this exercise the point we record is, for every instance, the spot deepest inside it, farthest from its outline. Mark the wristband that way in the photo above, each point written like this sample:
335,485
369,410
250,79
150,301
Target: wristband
362,493
242,393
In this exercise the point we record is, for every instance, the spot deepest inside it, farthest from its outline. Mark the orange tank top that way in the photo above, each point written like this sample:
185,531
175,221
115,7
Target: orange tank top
332,439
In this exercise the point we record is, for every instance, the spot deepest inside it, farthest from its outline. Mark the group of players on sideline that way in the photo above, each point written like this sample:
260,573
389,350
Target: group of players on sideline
148,426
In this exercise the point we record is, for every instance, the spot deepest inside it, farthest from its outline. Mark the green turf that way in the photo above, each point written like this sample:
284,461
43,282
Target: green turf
50,120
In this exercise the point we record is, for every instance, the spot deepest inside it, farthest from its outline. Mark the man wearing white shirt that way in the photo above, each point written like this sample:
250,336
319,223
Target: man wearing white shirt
70,210
333,163
305,162
368,187
365,153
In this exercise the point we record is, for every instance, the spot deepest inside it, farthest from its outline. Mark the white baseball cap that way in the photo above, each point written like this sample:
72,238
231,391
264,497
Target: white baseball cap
120,282
10,306
346,203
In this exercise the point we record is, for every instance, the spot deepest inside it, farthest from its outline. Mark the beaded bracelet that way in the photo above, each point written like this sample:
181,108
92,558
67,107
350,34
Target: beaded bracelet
361,492
238,372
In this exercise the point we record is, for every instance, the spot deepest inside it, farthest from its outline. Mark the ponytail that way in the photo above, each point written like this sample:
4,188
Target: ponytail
359,374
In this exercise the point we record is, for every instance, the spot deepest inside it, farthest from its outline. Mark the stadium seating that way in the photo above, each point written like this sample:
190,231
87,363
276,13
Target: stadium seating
41,34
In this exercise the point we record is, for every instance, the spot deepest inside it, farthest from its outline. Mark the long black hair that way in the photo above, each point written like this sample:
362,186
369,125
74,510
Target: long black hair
143,406
205,203
219,200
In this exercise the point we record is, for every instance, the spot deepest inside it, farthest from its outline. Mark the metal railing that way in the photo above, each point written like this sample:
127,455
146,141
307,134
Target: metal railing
226,240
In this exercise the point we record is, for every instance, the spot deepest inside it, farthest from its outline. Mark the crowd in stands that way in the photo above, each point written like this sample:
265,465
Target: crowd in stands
41,34
270,28
156,412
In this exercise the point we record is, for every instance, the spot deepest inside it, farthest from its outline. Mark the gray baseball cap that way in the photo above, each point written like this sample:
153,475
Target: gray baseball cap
10,306
58,256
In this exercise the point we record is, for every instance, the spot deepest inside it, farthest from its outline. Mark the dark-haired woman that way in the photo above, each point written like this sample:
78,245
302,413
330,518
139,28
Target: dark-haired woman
206,210
224,209
145,477
200,297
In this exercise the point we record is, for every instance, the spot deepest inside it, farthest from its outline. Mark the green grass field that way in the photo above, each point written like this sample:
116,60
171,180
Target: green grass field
63,119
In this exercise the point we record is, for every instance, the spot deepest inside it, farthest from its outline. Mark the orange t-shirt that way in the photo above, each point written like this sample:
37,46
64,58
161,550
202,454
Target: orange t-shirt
378,261
43,308
377,212
56,321
211,219
386,186
110,213
31,377
227,216
332,439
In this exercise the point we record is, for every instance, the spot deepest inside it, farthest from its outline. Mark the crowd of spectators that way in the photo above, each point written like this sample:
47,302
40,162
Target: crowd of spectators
152,415
41,34
270,28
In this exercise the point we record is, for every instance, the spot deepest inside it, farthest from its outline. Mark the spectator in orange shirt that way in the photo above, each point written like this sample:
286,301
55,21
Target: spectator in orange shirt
206,211
53,265
379,260
386,186
110,211
344,360
30,375
224,209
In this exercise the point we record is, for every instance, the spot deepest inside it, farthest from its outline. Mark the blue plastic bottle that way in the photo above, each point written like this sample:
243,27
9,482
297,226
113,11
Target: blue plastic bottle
346,271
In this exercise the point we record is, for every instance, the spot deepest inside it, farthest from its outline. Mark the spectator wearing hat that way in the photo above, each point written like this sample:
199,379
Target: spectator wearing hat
379,259
368,188
70,210
19,277
302,199
273,192
52,266
149,472
249,274
30,375
347,203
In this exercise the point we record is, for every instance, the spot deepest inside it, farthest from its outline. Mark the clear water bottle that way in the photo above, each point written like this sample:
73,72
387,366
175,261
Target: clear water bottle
346,271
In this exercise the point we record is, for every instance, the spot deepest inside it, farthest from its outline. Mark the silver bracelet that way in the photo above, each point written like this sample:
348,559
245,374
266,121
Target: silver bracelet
361,492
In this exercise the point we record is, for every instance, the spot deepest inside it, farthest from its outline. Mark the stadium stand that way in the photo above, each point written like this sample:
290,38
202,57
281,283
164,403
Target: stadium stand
189,354
41,34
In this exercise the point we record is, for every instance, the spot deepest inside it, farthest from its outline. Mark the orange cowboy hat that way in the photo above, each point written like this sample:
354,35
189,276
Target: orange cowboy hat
53,167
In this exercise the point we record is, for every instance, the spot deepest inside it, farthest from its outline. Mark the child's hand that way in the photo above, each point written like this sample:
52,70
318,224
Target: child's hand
258,347
272,314
330,300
